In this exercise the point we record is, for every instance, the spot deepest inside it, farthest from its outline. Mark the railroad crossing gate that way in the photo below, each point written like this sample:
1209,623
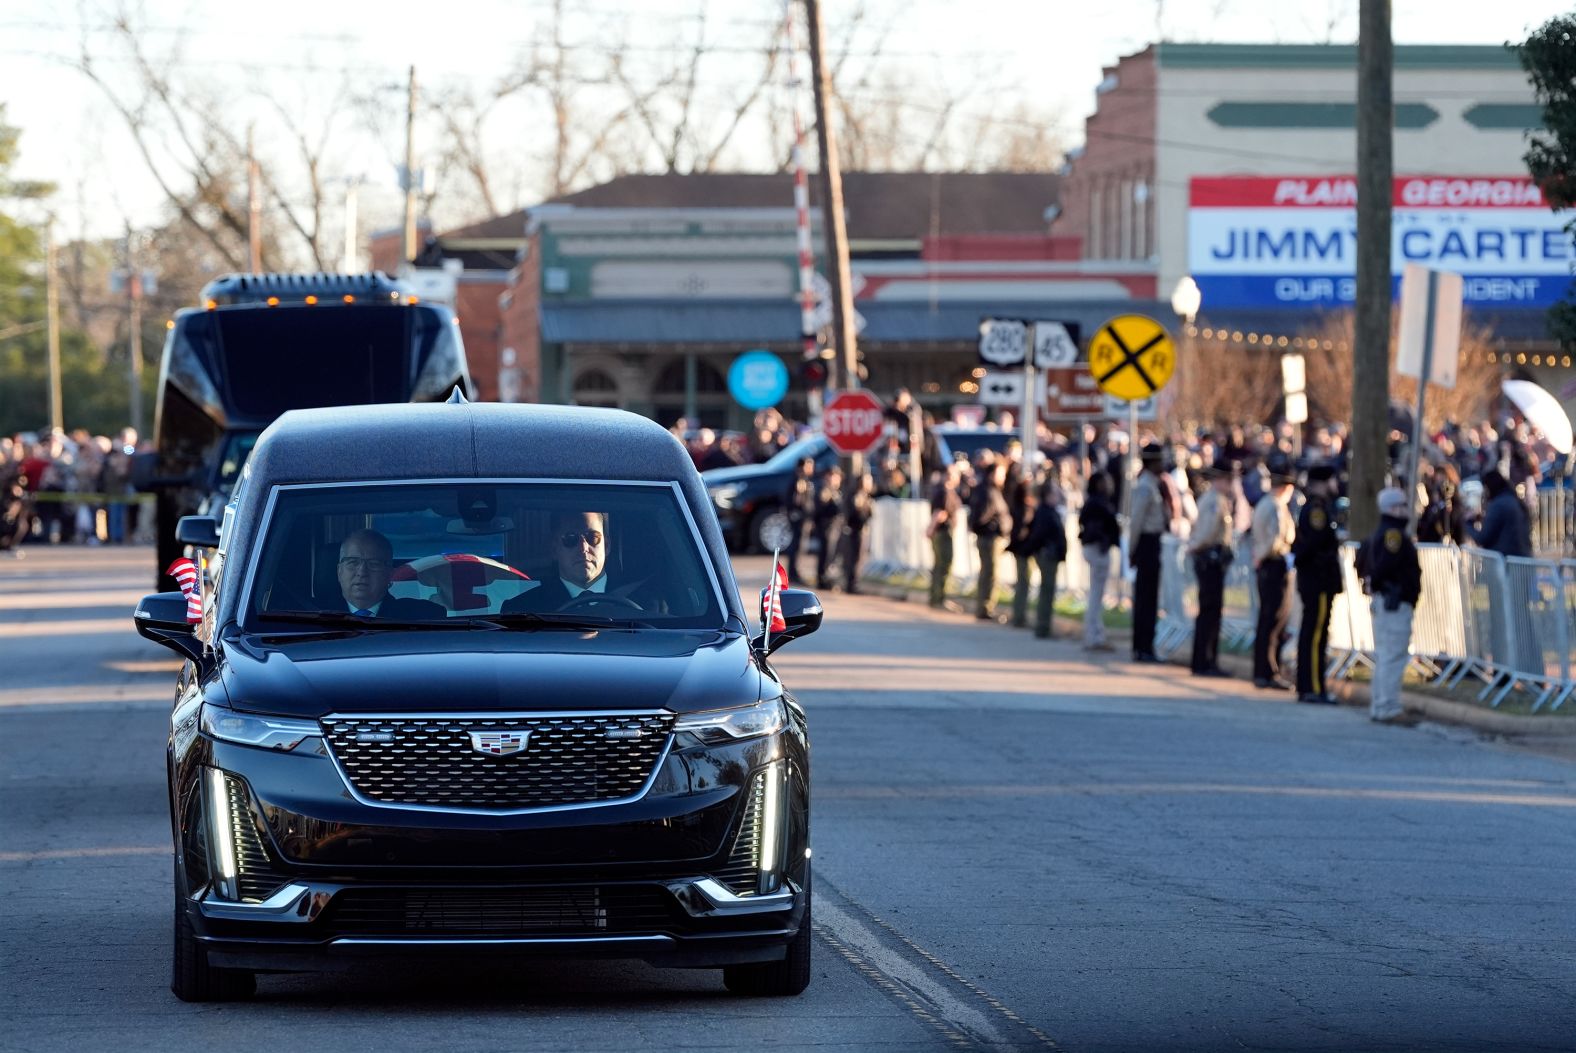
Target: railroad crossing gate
1131,357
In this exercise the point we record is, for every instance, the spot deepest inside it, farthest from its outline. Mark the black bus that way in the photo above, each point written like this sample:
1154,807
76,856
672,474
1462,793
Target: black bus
261,344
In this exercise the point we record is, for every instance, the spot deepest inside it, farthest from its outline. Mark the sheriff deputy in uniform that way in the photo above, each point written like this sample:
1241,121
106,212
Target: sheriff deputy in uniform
1210,547
1147,522
1317,552
1388,564
1273,531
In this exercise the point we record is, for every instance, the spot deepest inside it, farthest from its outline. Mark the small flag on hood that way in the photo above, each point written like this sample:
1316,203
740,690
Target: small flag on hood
772,598
189,578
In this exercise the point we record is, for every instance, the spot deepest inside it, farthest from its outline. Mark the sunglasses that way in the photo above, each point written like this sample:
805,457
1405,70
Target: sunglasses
573,540
354,564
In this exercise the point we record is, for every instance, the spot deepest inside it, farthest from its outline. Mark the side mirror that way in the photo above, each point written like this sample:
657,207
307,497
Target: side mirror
201,531
161,617
802,611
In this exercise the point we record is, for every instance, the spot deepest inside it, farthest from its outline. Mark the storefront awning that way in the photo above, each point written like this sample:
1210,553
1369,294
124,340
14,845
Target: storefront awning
743,322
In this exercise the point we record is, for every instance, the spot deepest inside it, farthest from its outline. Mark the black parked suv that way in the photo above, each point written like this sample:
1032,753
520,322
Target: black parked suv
476,679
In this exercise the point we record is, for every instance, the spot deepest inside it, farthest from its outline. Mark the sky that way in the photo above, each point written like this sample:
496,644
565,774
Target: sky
1045,53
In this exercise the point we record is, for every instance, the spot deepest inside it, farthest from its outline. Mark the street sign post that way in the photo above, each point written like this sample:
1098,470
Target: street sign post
1428,346
1011,343
852,422
1132,356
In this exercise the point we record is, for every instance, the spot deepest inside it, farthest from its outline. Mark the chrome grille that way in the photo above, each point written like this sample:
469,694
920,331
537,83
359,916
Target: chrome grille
255,876
742,871
429,761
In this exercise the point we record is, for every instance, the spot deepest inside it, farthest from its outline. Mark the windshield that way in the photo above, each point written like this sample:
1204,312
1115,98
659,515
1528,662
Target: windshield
972,442
237,448
788,456
527,555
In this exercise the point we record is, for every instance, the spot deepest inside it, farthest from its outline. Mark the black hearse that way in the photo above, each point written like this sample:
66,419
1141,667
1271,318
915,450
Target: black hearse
260,344
476,679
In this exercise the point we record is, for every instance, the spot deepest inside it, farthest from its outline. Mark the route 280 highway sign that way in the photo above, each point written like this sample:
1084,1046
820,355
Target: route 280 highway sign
1132,356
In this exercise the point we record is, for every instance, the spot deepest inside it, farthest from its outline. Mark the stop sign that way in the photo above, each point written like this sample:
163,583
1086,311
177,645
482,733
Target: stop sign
852,421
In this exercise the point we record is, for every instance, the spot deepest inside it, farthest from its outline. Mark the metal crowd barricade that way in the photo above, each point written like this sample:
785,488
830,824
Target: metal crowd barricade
1536,637
1439,623
1351,622
1178,595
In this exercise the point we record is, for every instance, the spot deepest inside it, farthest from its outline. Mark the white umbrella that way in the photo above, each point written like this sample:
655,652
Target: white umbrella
1542,410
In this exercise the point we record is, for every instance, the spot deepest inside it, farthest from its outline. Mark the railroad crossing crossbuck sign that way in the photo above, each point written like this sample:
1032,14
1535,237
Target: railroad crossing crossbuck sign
1132,356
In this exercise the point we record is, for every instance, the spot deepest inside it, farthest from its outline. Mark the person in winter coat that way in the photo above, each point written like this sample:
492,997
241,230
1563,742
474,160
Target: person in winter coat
1045,542
991,521
1098,533
859,504
1506,529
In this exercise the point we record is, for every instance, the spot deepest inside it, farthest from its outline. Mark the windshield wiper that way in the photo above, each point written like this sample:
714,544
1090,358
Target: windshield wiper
355,621
562,621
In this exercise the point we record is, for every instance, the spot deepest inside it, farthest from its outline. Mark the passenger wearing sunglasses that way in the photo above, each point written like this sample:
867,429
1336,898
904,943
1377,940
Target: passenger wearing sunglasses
579,544
366,559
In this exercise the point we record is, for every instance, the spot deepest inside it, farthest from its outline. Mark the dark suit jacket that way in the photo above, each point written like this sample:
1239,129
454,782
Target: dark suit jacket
551,595
401,609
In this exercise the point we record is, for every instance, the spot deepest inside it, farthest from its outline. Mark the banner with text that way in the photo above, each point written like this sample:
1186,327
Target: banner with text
1291,241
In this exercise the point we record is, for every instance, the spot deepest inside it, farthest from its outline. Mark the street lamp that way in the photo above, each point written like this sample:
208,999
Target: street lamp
1186,299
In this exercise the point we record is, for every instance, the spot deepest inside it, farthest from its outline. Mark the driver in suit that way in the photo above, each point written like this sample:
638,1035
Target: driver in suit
579,546
366,559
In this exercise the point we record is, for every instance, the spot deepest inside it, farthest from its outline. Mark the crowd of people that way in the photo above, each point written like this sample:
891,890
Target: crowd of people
40,476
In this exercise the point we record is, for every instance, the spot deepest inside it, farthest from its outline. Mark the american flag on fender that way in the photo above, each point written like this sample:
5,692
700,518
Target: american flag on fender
189,578
772,598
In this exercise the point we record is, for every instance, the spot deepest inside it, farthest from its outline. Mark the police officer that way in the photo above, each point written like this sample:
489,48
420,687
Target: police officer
799,503
828,525
1272,534
991,520
1317,552
1148,522
1393,578
945,507
1209,545
859,504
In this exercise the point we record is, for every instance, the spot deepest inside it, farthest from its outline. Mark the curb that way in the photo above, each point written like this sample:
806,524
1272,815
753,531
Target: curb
1354,693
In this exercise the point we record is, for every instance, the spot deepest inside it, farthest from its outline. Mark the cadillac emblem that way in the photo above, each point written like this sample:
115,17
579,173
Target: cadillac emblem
499,743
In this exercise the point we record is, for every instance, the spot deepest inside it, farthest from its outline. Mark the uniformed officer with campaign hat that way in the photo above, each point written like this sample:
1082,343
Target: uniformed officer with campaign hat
1272,533
1210,548
1317,552
1148,521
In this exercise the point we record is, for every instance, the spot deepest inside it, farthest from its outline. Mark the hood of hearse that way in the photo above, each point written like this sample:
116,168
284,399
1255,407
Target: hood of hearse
389,671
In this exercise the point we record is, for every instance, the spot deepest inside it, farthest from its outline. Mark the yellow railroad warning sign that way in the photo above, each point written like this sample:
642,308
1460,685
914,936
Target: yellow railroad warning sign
1132,356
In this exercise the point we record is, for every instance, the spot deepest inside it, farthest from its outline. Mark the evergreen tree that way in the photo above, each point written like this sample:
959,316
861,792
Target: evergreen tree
1549,57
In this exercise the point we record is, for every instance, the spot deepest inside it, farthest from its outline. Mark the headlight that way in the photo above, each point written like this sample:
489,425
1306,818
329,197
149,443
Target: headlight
725,725
723,496
275,733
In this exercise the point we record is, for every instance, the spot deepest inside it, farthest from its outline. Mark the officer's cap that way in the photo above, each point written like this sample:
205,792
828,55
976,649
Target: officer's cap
1392,502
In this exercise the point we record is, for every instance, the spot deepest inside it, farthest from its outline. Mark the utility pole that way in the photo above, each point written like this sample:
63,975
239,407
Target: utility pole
1371,346
254,209
134,324
410,170
52,309
831,177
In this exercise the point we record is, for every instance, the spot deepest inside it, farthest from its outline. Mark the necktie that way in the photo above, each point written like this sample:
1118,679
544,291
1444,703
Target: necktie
362,612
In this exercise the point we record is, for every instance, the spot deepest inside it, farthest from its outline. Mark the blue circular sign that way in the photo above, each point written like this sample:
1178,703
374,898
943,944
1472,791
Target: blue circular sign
758,379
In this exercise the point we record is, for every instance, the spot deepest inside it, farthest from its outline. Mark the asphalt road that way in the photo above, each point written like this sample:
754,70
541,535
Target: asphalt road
1015,848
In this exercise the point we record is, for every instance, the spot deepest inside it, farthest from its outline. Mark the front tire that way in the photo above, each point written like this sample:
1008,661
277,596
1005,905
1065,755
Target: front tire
782,979
192,978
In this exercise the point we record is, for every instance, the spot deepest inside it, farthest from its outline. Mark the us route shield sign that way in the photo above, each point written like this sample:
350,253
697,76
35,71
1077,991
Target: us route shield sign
1131,357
